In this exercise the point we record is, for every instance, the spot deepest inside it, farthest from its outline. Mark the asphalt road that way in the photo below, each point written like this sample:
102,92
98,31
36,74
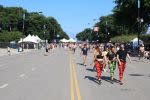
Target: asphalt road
60,76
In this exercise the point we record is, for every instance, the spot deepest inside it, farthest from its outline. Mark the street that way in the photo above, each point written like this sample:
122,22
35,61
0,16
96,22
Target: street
60,76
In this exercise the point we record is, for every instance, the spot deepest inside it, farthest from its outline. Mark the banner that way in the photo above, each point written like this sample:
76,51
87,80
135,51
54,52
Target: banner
96,29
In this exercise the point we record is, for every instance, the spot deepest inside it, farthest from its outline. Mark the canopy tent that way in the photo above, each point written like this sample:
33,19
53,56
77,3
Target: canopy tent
64,40
37,38
135,42
71,40
21,40
29,38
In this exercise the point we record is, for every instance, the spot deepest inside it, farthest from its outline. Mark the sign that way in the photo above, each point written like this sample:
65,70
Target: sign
96,29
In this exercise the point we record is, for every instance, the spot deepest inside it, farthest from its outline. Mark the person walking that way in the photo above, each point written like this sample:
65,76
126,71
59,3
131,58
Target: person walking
84,51
141,52
111,56
8,51
122,54
95,53
99,63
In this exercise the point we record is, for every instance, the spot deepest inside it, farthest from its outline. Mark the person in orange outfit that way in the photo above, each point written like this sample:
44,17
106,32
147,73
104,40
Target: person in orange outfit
99,63
122,54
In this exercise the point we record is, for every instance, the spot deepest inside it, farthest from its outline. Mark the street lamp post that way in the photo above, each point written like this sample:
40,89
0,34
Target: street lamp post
23,27
44,27
139,22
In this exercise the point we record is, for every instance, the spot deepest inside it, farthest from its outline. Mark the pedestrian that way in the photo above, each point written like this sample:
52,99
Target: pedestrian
8,51
99,63
74,47
95,53
141,52
122,54
104,53
84,54
111,56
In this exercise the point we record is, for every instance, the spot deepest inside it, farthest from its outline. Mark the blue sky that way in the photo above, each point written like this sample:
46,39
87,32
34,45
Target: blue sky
73,15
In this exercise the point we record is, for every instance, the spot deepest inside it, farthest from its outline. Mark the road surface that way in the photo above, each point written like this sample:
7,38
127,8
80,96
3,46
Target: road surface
60,76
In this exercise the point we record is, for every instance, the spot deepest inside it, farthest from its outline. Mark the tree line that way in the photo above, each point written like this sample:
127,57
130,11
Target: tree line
16,22
124,20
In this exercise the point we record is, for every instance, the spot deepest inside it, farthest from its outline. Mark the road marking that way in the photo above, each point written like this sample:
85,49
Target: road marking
3,86
71,81
76,82
22,75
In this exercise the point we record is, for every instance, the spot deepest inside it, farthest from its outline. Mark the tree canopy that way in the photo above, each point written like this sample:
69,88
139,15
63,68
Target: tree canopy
35,23
123,20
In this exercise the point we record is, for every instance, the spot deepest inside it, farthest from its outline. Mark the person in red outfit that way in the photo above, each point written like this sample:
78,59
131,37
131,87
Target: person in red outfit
122,54
99,63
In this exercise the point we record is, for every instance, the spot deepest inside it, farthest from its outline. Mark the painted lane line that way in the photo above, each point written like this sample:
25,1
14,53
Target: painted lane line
3,86
22,75
76,82
71,82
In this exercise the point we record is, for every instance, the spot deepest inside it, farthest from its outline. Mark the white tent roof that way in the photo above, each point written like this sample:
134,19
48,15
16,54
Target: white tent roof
63,40
21,40
30,38
71,40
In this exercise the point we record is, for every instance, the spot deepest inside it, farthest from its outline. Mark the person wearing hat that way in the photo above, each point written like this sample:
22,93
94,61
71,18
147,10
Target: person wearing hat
122,54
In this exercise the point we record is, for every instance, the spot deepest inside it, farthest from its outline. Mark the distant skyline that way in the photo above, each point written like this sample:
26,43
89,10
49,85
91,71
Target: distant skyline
73,15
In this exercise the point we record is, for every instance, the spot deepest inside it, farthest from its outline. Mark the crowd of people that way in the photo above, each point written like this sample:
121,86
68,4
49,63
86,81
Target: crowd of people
107,55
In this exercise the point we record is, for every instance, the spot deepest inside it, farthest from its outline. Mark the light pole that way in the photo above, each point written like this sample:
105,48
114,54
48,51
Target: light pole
139,22
23,27
44,27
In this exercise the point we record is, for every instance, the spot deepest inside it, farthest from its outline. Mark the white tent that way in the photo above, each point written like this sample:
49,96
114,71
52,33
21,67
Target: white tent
135,42
38,39
64,40
71,40
21,40
29,38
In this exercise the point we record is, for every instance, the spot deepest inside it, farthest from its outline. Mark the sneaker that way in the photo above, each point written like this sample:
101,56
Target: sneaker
120,83
99,82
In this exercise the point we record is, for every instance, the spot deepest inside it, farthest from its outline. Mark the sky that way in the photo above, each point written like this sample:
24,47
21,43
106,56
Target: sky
73,15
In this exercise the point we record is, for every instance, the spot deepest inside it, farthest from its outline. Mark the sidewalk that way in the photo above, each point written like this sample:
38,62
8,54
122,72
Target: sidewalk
3,52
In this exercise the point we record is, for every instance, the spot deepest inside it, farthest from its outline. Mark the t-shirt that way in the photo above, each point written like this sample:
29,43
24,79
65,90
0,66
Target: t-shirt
122,54
84,50
111,55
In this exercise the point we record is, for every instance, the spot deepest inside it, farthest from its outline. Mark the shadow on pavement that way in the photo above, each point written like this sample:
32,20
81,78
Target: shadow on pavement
92,79
107,79
92,70
136,75
79,64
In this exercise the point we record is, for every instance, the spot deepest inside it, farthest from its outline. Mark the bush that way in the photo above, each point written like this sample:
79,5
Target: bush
10,36
123,38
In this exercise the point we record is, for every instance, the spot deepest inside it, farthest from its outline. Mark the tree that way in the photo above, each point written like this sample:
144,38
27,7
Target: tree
11,20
